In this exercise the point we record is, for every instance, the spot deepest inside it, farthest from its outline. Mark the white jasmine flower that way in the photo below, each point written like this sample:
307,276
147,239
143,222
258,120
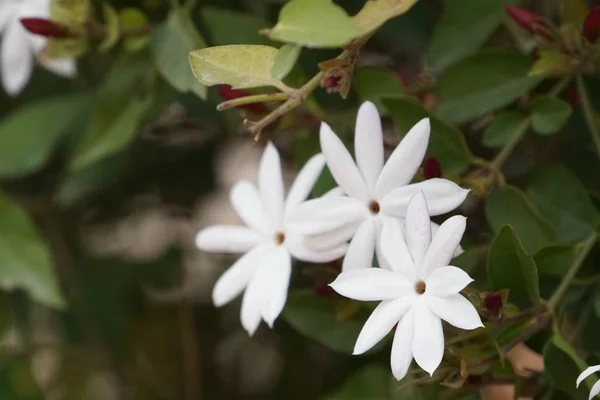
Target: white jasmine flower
419,291
268,241
372,194
18,46
589,371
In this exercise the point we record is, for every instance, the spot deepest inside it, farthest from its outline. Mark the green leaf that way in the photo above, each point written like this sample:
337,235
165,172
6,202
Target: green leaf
549,114
508,205
284,61
29,135
374,84
563,200
69,12
482,83
555,260
25,260
241,66
371,382
314,23
573,13
503,127
551,63
113,30
219,22
171,45
509,266
446,143
563,366
377,12
132,18
449,43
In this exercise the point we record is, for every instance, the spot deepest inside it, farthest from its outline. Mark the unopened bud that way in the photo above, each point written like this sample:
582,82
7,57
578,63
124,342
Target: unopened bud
432,168
227,93
332,81
493,301
528,21
46,28
591,25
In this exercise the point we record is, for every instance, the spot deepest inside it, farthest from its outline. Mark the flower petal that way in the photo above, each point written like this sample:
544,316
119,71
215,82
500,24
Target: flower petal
16,60
336,191
444,245
588,371
236,278
227,239
326,214
361,248
595,390
428,340
417,228
442,196
368,144
304,182
246,201
406,159
402,354
333,238
275,275
251,304
372,284
301,250
395,250
6,11
65,67
341,165
447,281
270,185
380,323
455,310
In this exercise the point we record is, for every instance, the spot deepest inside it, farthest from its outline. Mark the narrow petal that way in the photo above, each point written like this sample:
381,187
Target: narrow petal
428,342
236,278
227,239
445,244
588,371
275,275
336,191
402,354
447,281
270,185
395,250
252,303
333,238
417,228
6,11
372,284
595,390
368,144
326,214
246,201
406,159
442,196
341,165
16,60
301,250
455,310
380,323
304,182
361,248
65,67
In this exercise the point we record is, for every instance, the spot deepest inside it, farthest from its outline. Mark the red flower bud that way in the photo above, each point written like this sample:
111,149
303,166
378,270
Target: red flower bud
332,81
46,28
431,168
528,20
493,301
325,291
228,93
591,25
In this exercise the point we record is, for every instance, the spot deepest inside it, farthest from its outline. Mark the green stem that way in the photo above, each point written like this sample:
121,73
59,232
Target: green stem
588,112
259,98
586,247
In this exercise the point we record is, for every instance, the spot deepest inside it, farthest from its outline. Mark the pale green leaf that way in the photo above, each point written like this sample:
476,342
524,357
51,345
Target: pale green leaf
69,12
133,19
113,30
284,61
377,12
551,63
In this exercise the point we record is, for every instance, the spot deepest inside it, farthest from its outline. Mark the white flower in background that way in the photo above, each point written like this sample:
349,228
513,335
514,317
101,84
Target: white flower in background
375,195
18,47
589,371
419,291
269,240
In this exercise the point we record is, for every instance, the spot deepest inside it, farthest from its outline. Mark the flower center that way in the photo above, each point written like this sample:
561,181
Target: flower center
420,287
374,207
279,238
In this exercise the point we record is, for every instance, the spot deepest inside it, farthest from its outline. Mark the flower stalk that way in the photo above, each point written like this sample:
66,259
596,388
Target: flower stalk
588,112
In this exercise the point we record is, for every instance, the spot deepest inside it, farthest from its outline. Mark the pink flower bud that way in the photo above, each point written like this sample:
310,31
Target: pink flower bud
431,168
332,81
227,93
528,20
46,28
493,301
591,25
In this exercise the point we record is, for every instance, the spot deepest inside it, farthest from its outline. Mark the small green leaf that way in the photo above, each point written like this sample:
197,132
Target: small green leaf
113,30
374,84
284,61
551,63
482,83
171,45
64,48
314,23
555,260
549,114
132,18
509,266
573,13
503,128
69,12
563,200
446,143
377,12
219,23
25,260
563,366
508,205
241,66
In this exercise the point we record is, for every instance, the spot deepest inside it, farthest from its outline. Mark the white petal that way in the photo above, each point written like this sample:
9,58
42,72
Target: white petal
236,278
361,248
417,228
246,201
455,310
270,185
402,354
227,239
301,250
333,238
428,342
442,196
252,303
304,182
65,67
595,390
275,275
6,11
447,281
406,159
380,323
341,165
588,371
395,251
444,245
372,284
16,60
336,191
326,214
368,144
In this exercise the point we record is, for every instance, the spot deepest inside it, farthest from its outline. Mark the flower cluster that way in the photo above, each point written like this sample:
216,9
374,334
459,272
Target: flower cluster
375,212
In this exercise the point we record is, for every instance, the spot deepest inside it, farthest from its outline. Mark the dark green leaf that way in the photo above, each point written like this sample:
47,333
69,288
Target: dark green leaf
563,366
377,12
549,114
503,127
374,84
555,260
371,382
284,61
220,22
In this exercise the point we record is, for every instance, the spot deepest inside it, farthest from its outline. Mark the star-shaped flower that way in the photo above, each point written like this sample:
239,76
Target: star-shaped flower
374,194
268,241
18,46
419,291
589,371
